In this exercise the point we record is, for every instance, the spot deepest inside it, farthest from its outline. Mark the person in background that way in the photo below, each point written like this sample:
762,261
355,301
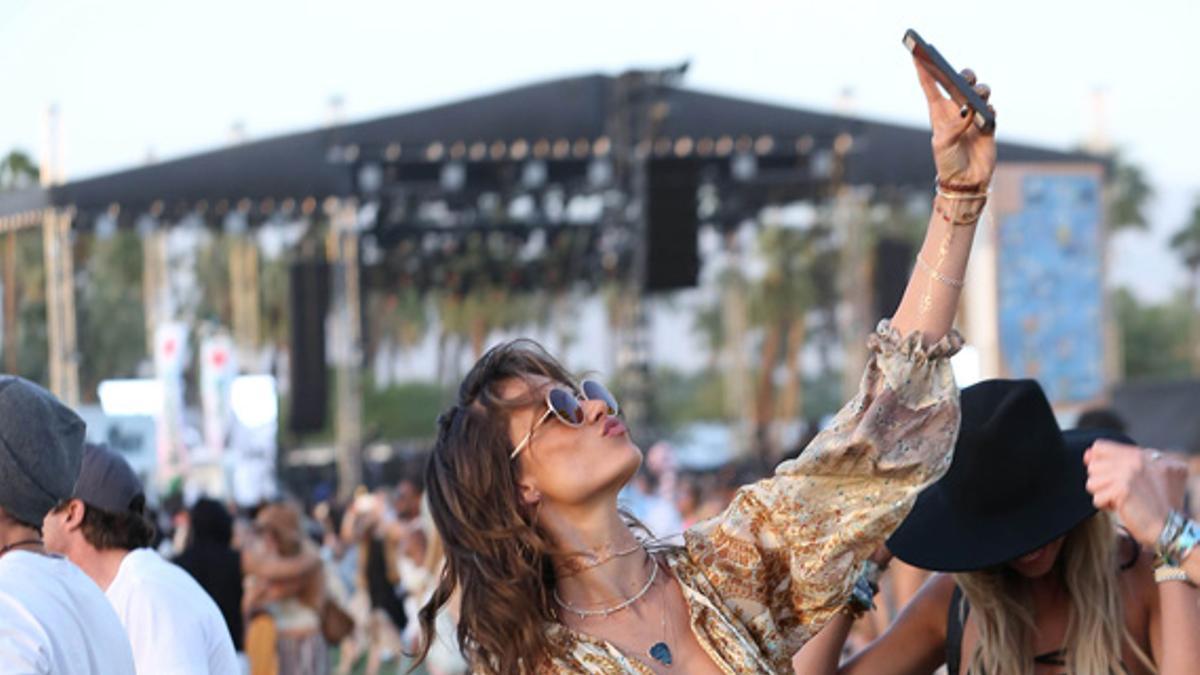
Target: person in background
377,608
211,560
173,624
444,655
687,500
53,619
406,532
284,590
1101,418
1033,579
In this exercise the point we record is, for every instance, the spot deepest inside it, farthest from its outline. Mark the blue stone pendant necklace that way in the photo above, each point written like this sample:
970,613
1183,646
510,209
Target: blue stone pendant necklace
659,651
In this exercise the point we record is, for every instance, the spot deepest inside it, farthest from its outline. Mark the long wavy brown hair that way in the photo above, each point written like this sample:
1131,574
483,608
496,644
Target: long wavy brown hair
496,555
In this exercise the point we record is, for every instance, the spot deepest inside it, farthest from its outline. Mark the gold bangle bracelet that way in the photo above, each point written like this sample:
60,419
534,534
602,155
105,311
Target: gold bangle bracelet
963,196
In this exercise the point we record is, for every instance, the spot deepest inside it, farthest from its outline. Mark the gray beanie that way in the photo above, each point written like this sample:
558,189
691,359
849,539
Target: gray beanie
41,446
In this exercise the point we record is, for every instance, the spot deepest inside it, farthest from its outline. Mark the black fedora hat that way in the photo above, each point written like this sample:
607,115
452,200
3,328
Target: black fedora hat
1016,483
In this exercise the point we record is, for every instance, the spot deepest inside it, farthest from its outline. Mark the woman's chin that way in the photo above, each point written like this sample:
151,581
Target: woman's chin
621,464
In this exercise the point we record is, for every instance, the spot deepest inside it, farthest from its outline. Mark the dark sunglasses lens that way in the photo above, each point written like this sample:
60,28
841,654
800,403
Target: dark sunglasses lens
566,406
594,391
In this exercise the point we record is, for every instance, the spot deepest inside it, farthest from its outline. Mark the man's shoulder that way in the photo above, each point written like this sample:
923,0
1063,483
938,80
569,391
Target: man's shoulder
149,583
23,574
49,588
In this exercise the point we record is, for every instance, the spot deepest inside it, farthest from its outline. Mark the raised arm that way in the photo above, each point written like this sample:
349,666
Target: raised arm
965,159
787,551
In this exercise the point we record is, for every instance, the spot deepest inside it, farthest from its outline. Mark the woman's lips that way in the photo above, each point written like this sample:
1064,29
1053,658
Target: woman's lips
613,427
1032,556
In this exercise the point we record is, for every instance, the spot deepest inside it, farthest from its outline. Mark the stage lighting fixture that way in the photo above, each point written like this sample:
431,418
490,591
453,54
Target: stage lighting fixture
454,176
743,166
600,172
533,174
370,178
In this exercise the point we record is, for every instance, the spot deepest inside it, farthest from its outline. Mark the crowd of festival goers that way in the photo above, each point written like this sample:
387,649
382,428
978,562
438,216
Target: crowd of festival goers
92,580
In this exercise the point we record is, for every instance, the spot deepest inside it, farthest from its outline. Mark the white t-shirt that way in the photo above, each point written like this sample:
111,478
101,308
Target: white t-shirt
55,620
174,626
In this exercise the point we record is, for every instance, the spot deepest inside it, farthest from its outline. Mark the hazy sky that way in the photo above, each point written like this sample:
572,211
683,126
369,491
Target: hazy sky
169,78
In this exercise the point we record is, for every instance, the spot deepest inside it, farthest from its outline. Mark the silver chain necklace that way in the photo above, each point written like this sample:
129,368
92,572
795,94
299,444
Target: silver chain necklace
606,611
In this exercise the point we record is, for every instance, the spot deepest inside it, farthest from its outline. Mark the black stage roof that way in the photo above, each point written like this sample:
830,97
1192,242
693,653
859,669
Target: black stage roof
302,165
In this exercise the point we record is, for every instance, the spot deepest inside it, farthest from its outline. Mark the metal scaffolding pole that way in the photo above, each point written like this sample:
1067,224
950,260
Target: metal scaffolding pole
11,337
636,114
346,303
243,288
155,293
60,305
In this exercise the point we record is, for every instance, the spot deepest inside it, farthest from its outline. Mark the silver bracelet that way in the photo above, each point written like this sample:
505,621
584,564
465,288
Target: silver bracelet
953,283
1187,540
1179,537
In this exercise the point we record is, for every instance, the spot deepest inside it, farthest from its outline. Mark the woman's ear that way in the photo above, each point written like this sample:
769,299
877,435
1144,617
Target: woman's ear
530,495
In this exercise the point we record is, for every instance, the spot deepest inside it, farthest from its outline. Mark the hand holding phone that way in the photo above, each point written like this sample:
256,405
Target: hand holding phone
964,144
957,86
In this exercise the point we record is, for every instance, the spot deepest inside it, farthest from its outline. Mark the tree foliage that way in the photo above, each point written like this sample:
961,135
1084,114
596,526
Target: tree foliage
1154,336
109,311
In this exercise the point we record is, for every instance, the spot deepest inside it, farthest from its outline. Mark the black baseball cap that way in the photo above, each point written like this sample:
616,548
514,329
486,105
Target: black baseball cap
107,482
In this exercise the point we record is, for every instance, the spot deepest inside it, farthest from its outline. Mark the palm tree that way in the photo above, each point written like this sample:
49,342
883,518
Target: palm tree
18,171
1186,242
112,337
780,301
1128,193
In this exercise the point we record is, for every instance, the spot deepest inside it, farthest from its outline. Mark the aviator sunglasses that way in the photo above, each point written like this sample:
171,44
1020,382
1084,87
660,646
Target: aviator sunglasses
566,406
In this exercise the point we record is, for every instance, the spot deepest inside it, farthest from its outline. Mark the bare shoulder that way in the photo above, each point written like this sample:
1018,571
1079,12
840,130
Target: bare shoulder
930,604
939,586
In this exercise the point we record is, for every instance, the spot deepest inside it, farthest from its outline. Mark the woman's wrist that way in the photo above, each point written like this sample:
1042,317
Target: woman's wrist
1178,539
959,202
866,586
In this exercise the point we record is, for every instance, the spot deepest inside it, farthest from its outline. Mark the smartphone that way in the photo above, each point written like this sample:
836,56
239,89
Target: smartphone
954,84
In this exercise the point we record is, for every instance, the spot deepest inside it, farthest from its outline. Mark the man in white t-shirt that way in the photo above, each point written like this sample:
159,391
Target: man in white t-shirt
174,626
53,619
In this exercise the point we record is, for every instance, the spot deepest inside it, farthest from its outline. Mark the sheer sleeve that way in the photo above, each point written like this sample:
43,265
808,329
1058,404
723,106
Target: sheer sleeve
784,555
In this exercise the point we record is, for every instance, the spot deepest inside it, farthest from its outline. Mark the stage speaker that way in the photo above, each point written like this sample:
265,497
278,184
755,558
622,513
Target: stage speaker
672,255
309,289
893,262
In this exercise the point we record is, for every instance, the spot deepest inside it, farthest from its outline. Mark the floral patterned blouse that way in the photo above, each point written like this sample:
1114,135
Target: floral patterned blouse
763,577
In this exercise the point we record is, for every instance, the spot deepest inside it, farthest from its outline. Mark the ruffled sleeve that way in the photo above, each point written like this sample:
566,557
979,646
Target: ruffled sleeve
784,555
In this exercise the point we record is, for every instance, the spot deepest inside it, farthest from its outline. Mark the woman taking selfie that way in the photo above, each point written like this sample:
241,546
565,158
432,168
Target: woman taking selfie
524,476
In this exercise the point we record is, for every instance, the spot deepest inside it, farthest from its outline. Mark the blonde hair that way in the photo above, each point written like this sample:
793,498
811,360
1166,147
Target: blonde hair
1003,609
